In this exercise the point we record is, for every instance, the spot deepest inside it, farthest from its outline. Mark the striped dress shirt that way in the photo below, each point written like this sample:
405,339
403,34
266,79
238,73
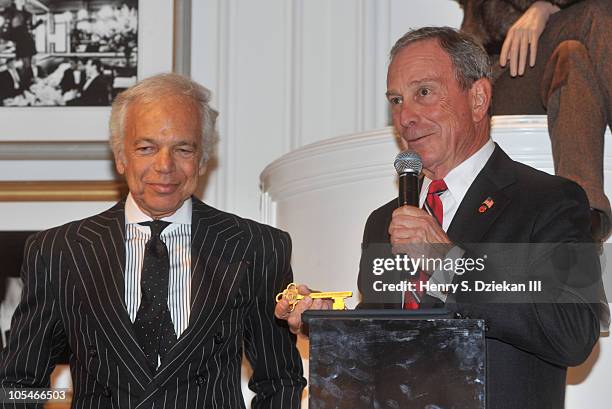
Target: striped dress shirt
177,238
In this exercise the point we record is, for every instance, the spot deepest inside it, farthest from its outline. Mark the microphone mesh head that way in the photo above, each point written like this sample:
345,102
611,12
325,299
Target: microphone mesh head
408,162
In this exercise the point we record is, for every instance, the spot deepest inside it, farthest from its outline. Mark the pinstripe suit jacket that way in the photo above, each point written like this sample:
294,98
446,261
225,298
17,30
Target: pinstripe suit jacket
73,296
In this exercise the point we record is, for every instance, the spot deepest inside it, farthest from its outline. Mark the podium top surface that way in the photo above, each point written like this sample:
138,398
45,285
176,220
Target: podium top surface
424,314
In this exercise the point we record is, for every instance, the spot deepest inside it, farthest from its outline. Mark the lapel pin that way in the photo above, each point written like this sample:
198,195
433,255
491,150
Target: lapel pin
486,205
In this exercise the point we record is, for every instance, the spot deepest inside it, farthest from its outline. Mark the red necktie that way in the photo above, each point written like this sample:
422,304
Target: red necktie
432,205
433,202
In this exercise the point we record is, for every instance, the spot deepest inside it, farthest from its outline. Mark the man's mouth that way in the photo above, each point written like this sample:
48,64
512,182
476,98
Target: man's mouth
415,139
163,188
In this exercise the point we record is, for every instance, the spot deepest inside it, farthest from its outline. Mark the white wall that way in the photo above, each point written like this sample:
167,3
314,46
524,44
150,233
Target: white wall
286,73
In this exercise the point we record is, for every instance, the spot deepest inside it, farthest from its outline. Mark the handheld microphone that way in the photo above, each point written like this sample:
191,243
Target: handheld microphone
408,165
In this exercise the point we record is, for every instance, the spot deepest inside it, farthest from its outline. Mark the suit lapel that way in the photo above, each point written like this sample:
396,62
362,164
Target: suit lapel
484,201
101,240
216,246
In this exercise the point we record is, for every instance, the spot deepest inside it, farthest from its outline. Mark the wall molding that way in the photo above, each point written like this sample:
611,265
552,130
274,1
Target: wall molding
295,79
56,191
329,163
368,156
225,63
60,150
362,65
182,37
382,34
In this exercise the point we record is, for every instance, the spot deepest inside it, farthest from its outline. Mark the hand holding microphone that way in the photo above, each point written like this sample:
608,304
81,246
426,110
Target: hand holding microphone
412,230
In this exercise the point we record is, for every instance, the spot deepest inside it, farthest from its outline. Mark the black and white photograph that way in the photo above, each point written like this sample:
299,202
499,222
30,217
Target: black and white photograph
67,52
11,243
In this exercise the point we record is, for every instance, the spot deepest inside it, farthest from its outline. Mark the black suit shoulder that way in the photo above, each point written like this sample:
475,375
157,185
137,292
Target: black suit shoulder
542,183
550,202
96,94
248,228
67,230
70,228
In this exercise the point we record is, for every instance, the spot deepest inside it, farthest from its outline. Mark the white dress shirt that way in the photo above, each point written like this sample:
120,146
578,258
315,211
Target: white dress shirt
15,76
89,81
177,238
76,74
458,181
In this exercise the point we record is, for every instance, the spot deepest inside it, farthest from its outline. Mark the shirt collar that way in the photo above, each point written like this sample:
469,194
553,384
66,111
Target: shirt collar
134,215
459,179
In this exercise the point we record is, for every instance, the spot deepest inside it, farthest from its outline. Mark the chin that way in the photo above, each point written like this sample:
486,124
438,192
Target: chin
163,207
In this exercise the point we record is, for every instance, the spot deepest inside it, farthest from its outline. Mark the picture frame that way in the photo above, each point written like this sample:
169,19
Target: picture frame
68,133
155,55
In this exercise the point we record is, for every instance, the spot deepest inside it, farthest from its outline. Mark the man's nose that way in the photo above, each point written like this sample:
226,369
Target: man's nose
164,161
408,115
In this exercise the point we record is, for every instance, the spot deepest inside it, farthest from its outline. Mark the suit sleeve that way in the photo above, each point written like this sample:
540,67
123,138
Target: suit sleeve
375,244
561,325
364,277
269,346
37,338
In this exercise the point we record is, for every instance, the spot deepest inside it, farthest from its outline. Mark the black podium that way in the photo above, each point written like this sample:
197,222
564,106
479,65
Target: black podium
395,359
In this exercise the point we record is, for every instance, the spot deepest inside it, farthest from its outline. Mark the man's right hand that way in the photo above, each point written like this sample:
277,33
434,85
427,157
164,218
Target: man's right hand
294,318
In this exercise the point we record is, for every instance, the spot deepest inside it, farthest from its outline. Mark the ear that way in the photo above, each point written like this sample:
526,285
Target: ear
119,164
480,97
202,169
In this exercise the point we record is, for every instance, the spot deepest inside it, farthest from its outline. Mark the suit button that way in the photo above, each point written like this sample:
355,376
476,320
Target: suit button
200,380
107,392
93,352
218,338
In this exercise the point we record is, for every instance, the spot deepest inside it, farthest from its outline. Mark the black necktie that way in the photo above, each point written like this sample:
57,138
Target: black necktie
153,324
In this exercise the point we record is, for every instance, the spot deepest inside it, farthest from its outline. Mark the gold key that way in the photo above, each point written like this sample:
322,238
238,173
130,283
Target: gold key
292,295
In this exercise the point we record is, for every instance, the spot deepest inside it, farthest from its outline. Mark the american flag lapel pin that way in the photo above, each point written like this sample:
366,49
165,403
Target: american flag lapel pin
486,205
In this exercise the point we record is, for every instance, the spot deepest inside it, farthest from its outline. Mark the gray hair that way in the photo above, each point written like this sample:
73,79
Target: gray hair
470,60
151,89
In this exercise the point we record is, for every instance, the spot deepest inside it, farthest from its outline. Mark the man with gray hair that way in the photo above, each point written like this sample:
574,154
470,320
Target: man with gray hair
156,297
439,91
